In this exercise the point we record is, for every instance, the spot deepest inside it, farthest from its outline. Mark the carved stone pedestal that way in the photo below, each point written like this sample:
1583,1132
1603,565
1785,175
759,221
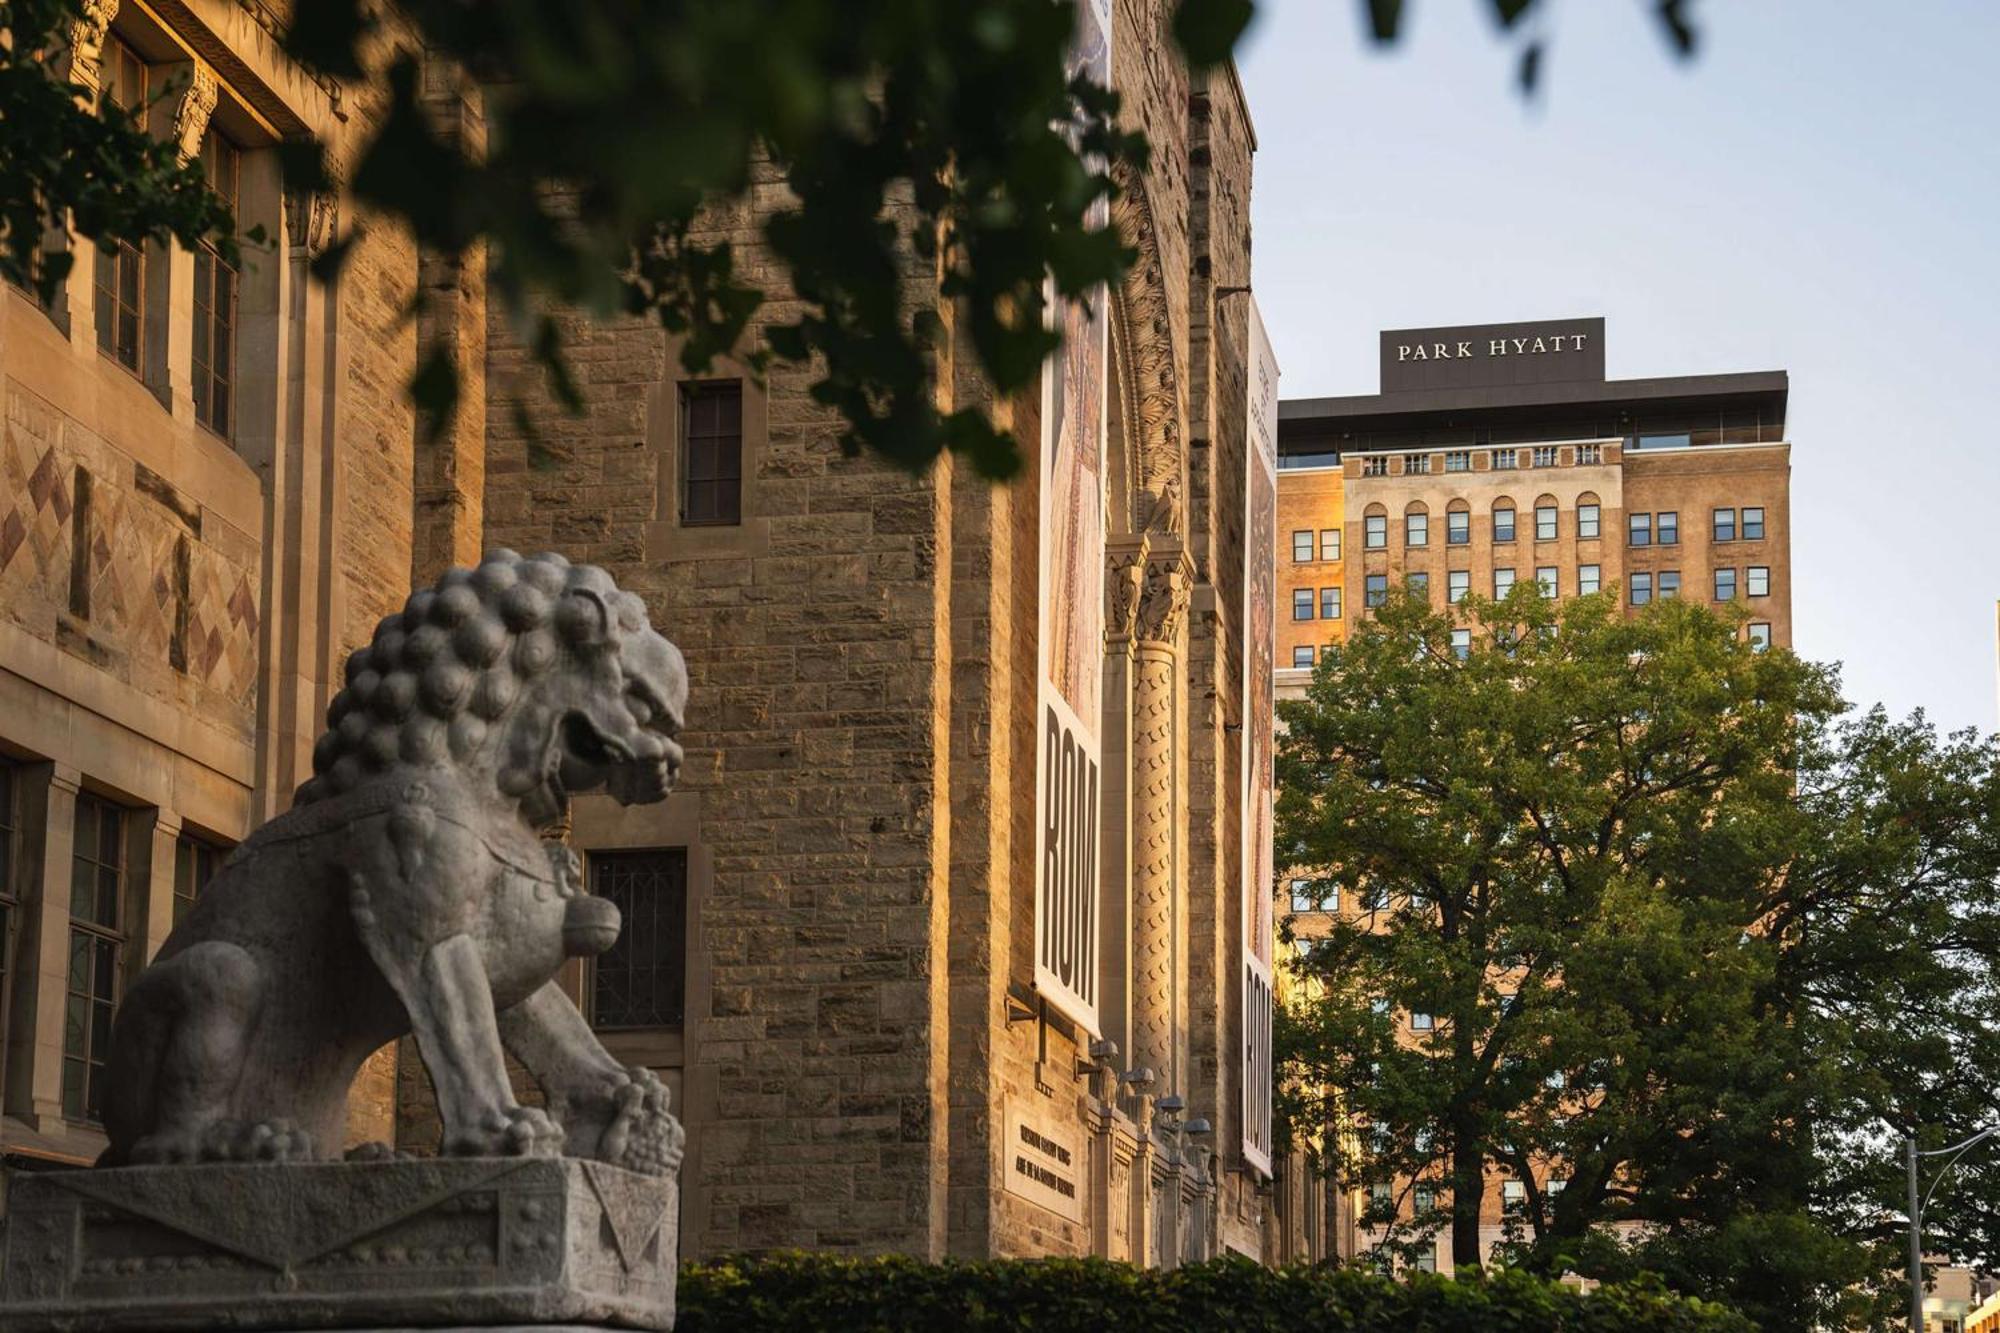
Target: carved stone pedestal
476,1243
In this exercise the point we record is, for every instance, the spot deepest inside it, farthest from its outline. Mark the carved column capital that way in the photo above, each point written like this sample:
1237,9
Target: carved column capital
1163,596
87,29
1125,574
309,219
191,113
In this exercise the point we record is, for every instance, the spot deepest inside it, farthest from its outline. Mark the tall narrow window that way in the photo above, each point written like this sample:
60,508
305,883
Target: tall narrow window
1503,522
1549,579
1329,543
1375,531
1545,522
1589,578
1667,527
712,453
1670,584
215,298
1753,524
195,863
96,946
1725,525
1417,528
1461,644
1302,545
1418,584
1458,585
1588,517
1302,604
1458,528
1375,589
1641,589
1757,581
1760,636
120,279
1725,585
641,981
1329,603
1640,526
1503,582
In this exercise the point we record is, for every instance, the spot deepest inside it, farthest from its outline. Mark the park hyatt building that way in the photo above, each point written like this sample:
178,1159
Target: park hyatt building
943,943
1495,454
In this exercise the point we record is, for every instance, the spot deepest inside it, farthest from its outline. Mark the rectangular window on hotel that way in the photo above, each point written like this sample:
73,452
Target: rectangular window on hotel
1551,583
1417,465
1302,604
1417,529
1642,589
1667,527
1506,459
1725,525
1421,1022
1461,644
1457,460
1419,585
1302,545
1589,453
1587,519
1545,455
1375,532
1725,585
1329,543
1302,655
1503,523
1760,635
1589,578
1640,528
1503,582
1458,528
1457,585
1329,603
1375,590
1670,584
1753,525
1377,466
1545,523
1757,581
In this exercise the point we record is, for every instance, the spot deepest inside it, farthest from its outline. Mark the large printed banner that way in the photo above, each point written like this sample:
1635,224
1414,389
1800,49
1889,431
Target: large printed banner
1260,628
1070,744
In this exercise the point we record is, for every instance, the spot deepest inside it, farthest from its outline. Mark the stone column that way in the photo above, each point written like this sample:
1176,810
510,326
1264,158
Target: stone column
161,834
34,1054
1163,600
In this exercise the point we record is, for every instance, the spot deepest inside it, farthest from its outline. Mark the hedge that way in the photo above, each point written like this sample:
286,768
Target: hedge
820,1293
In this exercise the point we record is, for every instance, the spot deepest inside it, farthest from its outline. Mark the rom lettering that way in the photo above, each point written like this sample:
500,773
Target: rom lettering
1069,862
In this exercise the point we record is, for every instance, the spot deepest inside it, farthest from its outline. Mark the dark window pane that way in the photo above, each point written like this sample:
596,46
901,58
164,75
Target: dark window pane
641,980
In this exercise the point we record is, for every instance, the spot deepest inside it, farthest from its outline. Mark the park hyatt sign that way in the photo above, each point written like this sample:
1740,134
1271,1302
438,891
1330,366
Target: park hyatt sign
1482,355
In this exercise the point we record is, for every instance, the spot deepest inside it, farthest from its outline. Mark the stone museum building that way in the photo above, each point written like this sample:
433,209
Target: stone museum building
212,487
1501,453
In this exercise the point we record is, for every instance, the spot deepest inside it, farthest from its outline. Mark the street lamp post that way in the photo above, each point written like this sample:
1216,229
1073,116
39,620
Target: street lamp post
1918,1205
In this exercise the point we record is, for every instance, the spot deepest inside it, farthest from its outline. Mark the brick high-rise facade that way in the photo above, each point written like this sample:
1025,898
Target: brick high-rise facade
1501,453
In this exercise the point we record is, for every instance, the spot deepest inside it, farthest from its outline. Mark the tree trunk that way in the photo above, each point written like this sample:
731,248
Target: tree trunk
1468,1192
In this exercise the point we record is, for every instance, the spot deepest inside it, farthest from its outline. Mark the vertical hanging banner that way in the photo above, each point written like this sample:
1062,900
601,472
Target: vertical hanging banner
1070,679
1260,628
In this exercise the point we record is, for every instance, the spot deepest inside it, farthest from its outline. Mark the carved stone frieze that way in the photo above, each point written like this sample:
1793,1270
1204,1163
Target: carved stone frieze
310,216
87,29
1163,596
1154,384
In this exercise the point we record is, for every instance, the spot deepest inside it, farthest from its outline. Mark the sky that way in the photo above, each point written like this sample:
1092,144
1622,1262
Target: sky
1817,192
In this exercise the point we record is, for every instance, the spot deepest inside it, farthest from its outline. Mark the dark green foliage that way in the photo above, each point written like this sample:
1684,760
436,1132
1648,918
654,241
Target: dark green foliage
1692,940
819,1293
65,163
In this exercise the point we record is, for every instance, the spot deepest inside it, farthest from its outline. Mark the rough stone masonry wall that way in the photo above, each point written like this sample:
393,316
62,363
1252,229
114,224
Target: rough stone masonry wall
815,636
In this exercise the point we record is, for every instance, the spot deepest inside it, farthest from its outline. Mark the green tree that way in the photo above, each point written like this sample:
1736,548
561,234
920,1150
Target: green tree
918,140
1621,887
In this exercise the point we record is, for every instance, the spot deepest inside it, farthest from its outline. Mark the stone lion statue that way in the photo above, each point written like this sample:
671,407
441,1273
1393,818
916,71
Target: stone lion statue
409,890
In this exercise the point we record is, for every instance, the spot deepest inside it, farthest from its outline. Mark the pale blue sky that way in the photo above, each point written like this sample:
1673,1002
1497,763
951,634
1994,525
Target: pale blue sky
1818,193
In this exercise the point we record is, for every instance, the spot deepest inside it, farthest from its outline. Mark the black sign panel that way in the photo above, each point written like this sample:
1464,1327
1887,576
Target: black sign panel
1554,351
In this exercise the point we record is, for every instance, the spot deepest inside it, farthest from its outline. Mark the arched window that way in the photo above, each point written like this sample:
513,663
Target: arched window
1545,518
1503,520
1375,528
1589,517
1458,523
1417,525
